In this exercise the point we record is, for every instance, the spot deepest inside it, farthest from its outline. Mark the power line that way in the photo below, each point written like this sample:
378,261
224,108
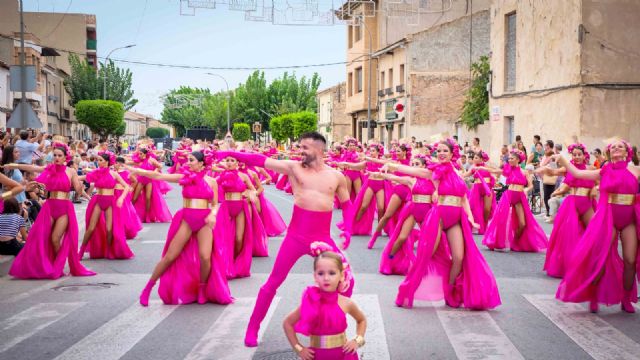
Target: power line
61,19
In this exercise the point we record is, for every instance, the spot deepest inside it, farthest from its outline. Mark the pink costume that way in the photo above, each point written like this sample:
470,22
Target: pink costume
159,211
37,259
482,186
132,225
179,283
403,192
475,287
98,248
365,224
353,175
418,207
261,243
179,158
501,231
596,255
272,221
306,227
234,203
322,316
568,227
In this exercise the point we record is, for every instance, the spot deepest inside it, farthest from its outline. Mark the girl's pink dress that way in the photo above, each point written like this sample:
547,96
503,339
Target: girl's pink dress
98,248
405,257
240,266
501,231
179,283
37,259
132,225
481,188
402,191
261,248
365,224
179,159
568,227
272,221
475,287
353,175
597,250
159,211
321,315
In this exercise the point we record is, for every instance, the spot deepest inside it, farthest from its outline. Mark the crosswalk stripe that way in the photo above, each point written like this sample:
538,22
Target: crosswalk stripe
26,323
223,337
152,241
44,285
113,339
377,347
594,335
475,335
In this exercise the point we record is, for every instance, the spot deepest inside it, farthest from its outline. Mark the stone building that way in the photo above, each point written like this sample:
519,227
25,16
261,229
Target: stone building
6,98
333,122
564,69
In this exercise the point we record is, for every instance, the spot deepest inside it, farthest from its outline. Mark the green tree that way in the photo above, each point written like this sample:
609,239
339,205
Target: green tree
475,110
241,132
251,100
303,122
157,132
276,129
103,117
184,108
122,128
85,84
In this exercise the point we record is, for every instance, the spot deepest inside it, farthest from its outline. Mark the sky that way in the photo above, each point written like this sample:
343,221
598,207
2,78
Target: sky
213,37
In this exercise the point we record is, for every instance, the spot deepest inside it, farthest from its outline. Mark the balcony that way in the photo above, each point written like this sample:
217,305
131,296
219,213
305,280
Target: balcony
380,93
66,114
53,98
400,88
388,91
92,44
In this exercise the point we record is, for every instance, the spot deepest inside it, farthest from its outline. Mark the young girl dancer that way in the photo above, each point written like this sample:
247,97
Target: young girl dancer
191,267
54,235
513,222
482,199
574,214
322,313
105,234
596,273
447,252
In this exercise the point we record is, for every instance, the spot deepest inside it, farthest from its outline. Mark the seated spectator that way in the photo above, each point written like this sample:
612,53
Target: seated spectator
11,224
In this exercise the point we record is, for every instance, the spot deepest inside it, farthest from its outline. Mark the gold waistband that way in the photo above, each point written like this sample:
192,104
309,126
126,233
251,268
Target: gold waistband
487,180
421,199
106,192
328,341
233,196
514,187
450,200
622,199
580,191
195,203
119,187
59,195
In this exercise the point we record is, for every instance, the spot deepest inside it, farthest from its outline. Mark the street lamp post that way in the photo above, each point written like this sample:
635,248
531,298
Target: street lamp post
369,130
228,100
106,60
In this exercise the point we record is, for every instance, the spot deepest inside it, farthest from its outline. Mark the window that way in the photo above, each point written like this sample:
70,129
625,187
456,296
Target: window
391,78
510,52
359,84
382,80
350,84
401,74
510,125
350,36
358,33
400,131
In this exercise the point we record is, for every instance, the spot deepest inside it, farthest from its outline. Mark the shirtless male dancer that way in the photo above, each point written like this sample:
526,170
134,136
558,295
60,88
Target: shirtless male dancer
315,186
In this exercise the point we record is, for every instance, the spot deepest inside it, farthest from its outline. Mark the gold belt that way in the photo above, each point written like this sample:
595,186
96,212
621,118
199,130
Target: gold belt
328,341
119,187
487,180
59,195
580,191
514,187
450,200
195,203
421,199
233,196
106,192
622,199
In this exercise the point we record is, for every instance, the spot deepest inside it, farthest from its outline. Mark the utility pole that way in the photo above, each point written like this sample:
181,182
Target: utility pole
369,129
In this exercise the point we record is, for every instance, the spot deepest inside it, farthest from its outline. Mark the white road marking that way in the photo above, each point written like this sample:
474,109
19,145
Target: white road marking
475,335
594,335
220,342
45,285
377,347
115,338
151,242
24,324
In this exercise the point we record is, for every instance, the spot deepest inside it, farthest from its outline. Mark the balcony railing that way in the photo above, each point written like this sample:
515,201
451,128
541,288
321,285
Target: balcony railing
92,44
400,88
388,91
380,93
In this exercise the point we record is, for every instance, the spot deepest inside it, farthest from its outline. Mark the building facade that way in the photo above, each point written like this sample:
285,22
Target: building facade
333,122
6,98
579,79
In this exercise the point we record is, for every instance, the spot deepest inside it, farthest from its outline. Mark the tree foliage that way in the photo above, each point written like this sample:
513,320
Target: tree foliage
475,110
303,122
157,132
241,132
85,83
291,126
103,117
184,109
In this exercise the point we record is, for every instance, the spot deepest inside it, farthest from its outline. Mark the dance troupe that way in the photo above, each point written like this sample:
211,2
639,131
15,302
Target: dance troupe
421,201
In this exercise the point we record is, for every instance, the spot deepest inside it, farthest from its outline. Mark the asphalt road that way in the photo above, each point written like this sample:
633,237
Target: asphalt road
99,317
